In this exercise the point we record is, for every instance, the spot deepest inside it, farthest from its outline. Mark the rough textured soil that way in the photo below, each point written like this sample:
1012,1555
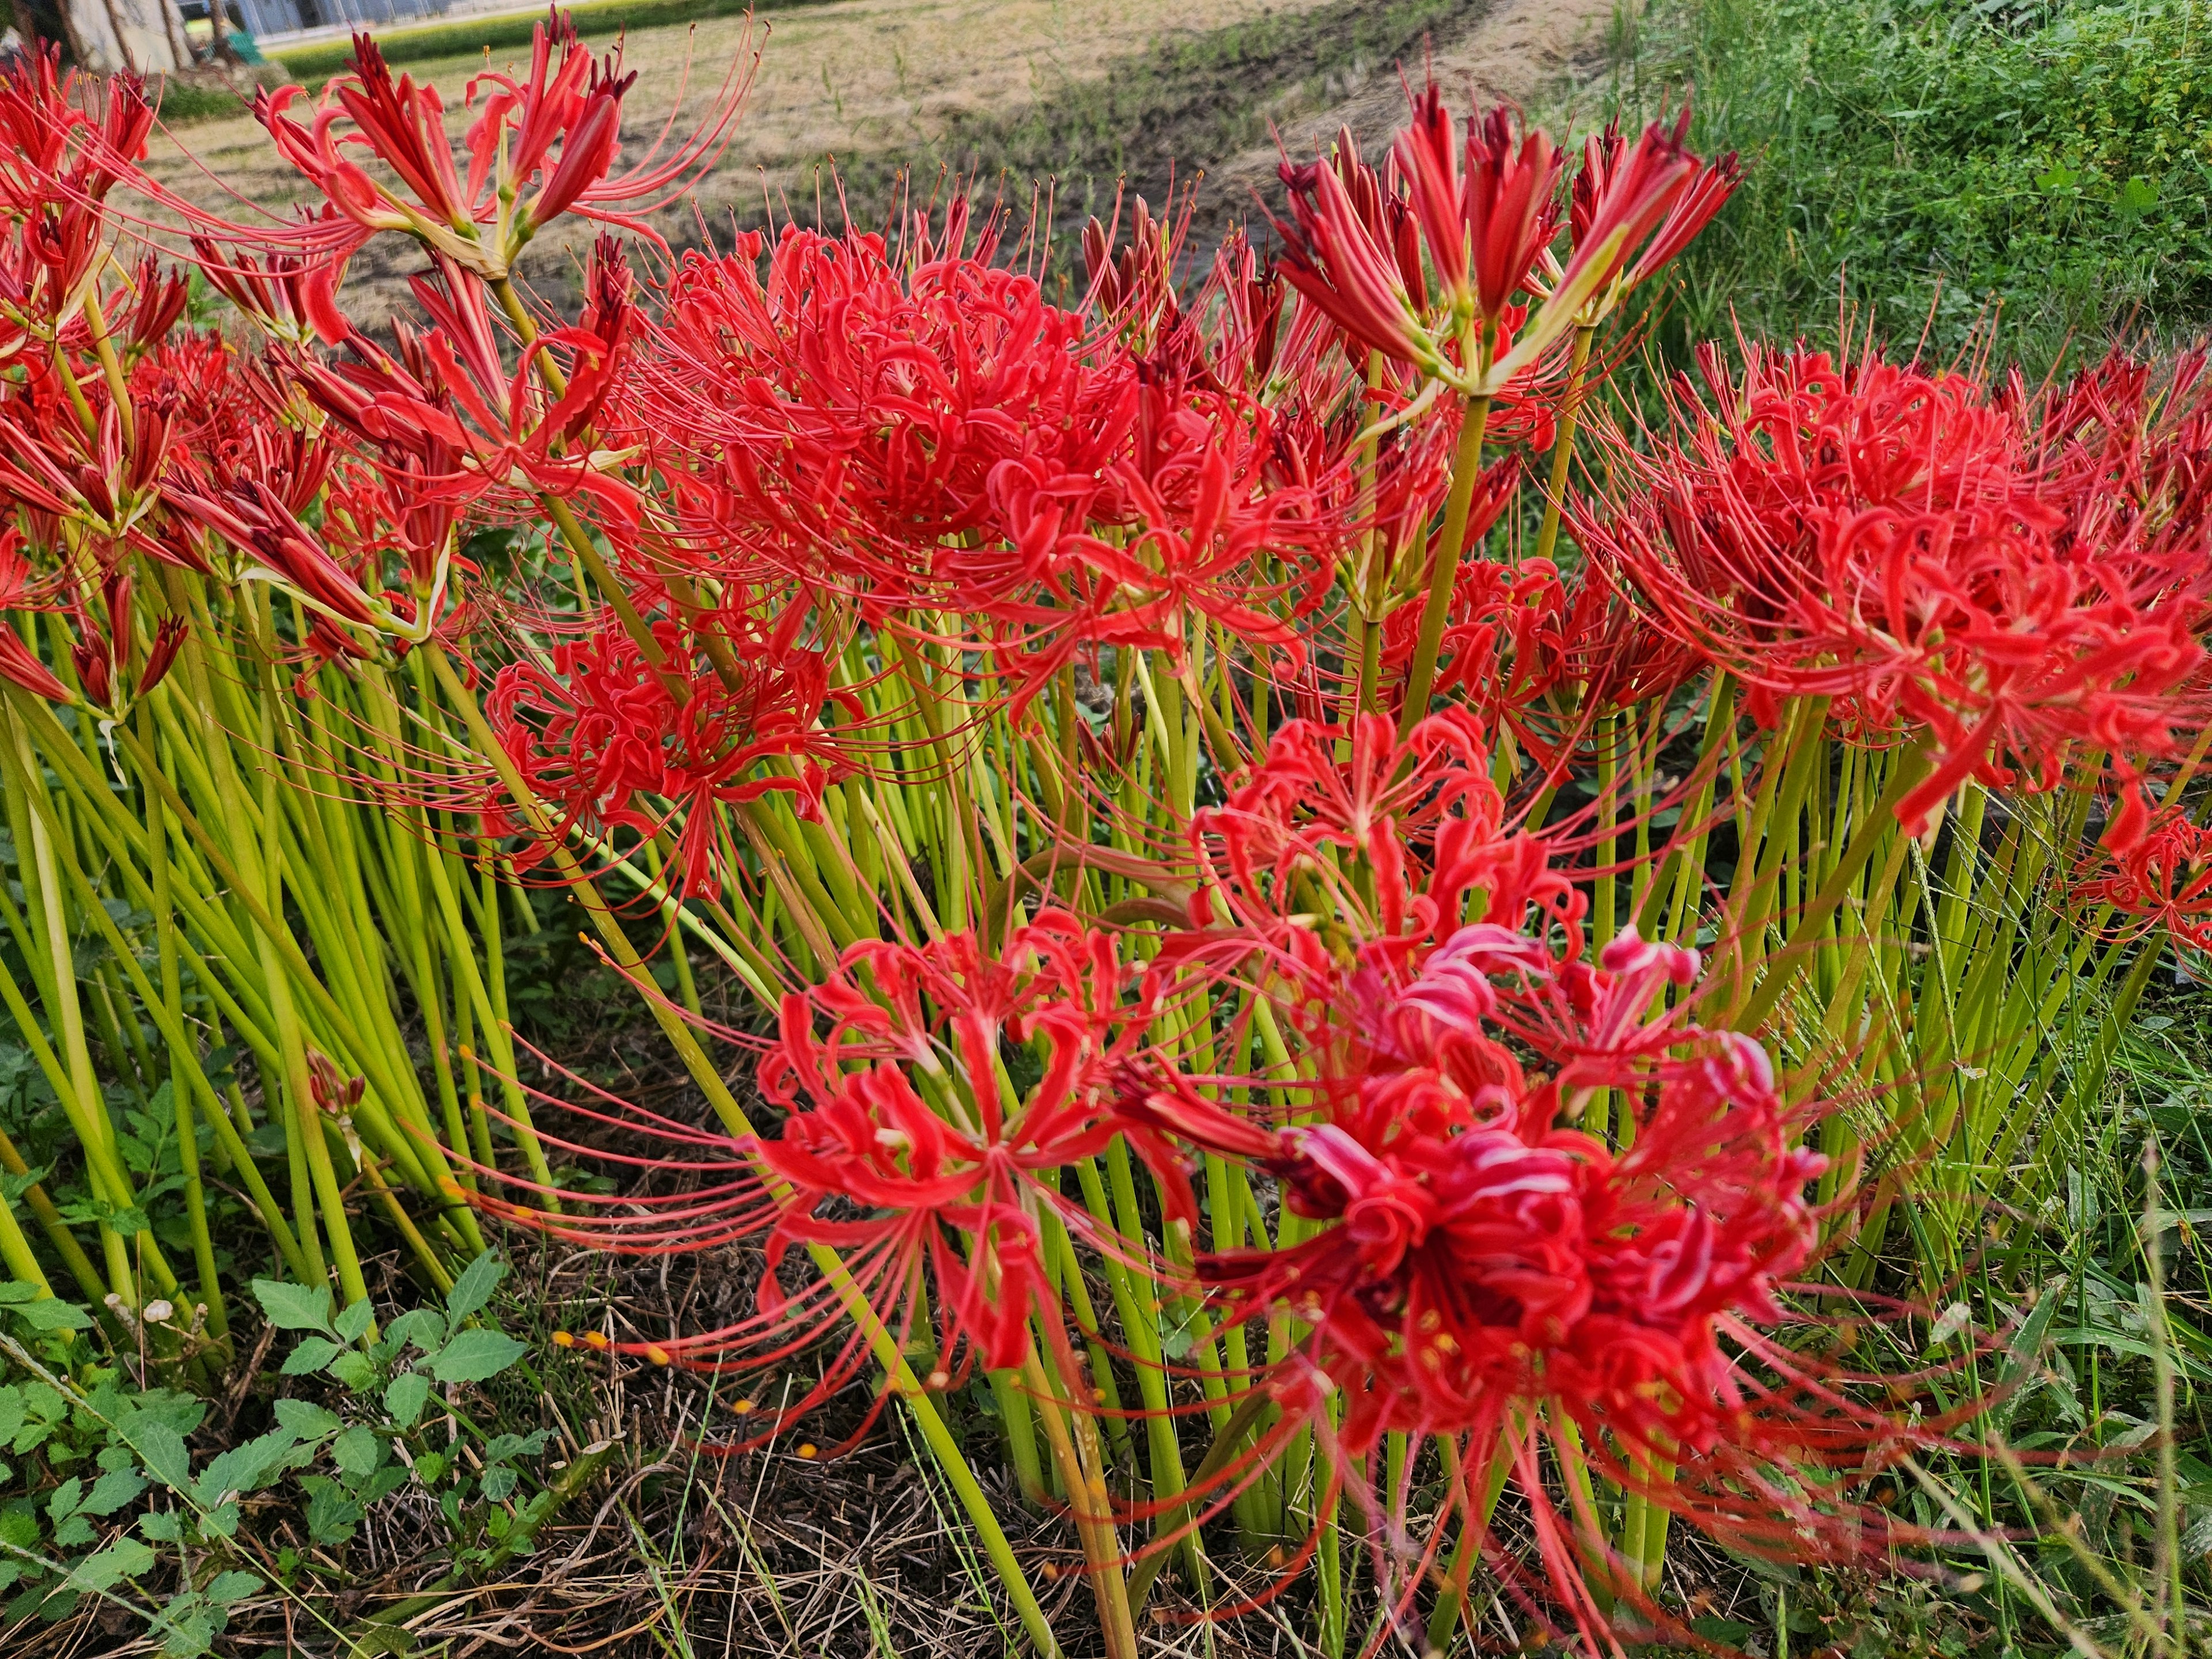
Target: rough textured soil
1070,101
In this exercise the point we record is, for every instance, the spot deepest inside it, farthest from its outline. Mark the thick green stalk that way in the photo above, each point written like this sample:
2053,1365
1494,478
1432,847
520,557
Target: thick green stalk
1443,570
1906,771
1562,446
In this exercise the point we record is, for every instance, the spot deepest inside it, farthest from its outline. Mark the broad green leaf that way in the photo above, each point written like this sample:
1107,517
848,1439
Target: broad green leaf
333,1516
474,1287
354,1369
228,1587
472,1356
54,1315
304,1420
112,1491
310,1356
405,1396
356,1450
126,1557
424,1327
354,1320
292,1306
163,1450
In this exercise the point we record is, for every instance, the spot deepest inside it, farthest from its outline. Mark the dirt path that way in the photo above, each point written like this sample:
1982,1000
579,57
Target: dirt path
1527,52
1090,97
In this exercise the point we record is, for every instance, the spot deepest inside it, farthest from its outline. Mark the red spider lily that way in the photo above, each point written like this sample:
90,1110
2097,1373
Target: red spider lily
467,423
1482,231
102,482
1420,814
101,656
1199,496
1543,656
1133,286
1352,251
1613,174
904,1150
1893,540
600,734
52,151
969,1160
290,297
864,424
1484,228
1494,1276
480,224
20,665
2164,881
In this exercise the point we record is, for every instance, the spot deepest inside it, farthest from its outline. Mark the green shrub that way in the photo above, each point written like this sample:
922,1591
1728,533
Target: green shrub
1934,158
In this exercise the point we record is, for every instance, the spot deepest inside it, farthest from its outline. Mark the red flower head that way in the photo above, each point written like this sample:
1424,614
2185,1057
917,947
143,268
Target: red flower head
1352,251
1489,1274
1284,850
603,735
1897,541
1621,193
2164,881
1483,230
905,1147
920,438
378,149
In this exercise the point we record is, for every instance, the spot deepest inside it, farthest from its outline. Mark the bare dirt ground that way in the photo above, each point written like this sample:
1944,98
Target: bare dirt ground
1527,52
1047,95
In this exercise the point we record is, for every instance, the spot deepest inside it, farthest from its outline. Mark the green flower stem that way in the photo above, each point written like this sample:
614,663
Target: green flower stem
42,1207
1443,570
1906,771
1563,445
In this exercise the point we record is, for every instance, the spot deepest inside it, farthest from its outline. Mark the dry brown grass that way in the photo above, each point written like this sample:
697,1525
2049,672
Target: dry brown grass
861,78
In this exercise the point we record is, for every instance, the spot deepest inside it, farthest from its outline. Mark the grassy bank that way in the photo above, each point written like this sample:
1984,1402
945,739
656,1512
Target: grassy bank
1936,160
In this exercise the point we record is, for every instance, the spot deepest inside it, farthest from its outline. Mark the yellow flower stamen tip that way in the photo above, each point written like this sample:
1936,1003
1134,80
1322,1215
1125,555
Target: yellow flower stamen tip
940,1379
596,1340
656,1354
563,1340
741,1407
807,1448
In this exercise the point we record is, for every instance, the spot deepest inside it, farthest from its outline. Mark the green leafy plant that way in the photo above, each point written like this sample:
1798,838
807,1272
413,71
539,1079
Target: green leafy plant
381,1441
103,1499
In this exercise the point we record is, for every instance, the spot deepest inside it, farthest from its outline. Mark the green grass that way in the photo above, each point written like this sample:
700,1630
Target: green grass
1938,158
182,104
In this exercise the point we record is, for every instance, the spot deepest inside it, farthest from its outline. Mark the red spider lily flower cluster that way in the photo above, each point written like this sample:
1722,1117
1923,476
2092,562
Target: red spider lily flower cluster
602,734
1543,1214
1929,556
1480,209
933,434
905,1148
558,128
1491,1273
2163,881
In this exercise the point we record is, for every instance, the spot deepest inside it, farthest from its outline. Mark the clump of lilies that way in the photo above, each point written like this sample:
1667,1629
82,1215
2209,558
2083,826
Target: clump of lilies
1366,926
